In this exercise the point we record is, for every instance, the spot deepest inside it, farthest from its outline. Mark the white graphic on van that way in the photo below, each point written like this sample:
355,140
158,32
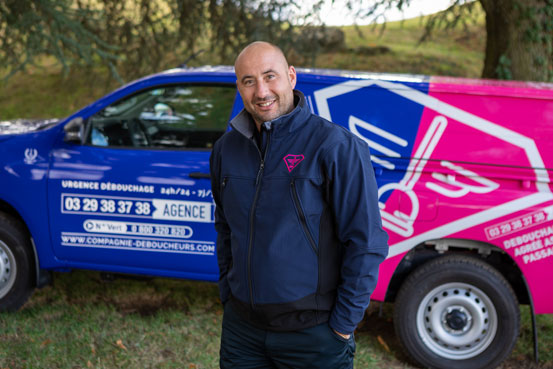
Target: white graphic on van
461,188
30,156
186,211
402,224
518,224
142,229
398,221
355,122
190,211
120,242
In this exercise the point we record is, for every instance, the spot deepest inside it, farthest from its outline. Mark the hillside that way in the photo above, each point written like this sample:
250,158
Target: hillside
455,52
44,92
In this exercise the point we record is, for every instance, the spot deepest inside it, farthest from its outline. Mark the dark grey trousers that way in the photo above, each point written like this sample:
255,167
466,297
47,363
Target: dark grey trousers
244,346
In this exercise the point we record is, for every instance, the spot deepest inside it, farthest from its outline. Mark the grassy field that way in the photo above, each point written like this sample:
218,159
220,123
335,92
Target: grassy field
48,93
45,92
82,321
457,52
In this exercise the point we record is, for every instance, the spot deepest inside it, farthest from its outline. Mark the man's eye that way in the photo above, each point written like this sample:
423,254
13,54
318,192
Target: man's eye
271,76
248,82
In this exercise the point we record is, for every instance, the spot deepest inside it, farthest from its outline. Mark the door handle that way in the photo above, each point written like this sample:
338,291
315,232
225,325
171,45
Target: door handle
199,175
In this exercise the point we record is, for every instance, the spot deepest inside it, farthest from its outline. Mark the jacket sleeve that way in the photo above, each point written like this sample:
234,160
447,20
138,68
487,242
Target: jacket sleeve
224,255
353,197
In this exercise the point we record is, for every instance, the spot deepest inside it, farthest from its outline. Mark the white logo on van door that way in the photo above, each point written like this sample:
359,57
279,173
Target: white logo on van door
453,181
403,223
484,185
355,122
30,156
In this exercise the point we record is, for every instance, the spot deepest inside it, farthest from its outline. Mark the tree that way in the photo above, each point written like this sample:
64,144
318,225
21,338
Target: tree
519,33
519,42
133,38
29,29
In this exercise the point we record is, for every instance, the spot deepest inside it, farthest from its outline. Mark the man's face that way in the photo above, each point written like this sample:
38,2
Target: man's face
265,83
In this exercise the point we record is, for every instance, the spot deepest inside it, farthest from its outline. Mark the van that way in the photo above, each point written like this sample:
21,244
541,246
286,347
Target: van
463,169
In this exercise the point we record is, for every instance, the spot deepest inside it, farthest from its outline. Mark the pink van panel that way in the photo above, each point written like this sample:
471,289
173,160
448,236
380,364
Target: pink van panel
480,170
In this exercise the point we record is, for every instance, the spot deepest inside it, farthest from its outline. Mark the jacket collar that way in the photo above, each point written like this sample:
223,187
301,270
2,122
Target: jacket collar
244,122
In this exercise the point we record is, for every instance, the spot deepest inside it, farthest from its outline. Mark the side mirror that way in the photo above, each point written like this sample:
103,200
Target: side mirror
74,131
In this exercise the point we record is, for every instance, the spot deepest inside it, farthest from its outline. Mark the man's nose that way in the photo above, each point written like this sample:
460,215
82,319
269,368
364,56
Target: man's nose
261,90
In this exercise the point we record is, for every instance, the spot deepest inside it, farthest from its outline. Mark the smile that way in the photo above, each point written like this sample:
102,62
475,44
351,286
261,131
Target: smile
265,104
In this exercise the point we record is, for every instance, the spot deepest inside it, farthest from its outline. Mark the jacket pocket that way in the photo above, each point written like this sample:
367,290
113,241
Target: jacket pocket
301,216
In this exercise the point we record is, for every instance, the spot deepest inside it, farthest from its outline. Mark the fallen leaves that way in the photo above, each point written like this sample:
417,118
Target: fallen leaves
383,343
119,343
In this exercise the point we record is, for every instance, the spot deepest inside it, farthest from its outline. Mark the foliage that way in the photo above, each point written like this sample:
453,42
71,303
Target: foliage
30,29
503,69
134,38
460,14
508,56
453,54
538,31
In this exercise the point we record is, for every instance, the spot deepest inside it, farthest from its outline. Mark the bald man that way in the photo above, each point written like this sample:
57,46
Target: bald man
299,231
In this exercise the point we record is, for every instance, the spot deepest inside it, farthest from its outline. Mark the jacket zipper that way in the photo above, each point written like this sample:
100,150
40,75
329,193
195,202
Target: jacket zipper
303,220
222,190
252,215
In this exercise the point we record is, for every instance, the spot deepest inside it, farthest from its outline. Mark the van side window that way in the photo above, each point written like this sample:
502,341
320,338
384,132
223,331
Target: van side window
178,117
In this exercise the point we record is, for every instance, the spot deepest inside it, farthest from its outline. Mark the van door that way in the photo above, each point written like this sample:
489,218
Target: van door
136,197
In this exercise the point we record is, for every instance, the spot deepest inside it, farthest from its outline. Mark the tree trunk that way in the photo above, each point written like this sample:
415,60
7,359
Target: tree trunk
515,48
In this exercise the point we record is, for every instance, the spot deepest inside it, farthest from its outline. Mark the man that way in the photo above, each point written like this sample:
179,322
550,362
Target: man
299,231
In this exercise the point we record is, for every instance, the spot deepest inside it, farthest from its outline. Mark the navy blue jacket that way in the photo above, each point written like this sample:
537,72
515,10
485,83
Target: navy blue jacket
299,231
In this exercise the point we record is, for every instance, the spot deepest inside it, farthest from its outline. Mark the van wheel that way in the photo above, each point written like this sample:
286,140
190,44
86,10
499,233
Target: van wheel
457,312
16,282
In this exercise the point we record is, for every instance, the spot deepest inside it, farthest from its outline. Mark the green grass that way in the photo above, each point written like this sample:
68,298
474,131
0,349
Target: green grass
48,93
82,321
455,52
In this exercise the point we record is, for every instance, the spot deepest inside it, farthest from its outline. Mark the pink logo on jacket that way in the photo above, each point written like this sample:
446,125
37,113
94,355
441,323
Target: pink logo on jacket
292,161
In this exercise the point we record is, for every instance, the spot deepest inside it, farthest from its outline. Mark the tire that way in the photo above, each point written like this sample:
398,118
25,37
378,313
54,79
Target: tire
457,312
16,265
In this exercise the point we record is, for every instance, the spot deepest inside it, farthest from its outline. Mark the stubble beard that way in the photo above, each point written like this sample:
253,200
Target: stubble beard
281,110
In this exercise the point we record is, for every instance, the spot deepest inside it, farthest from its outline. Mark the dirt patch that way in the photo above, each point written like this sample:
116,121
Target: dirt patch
127,295
144,305
522,363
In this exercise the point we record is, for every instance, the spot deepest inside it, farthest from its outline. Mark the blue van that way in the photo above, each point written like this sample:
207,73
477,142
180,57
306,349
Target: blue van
123,186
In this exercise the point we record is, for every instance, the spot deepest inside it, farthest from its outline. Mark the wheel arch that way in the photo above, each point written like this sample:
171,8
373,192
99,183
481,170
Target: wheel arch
8,209
486,252
41,277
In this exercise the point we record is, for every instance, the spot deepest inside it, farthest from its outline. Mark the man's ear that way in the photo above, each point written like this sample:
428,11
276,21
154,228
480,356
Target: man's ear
292,76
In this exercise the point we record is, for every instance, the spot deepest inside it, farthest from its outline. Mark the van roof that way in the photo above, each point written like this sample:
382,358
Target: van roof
528,89
458,85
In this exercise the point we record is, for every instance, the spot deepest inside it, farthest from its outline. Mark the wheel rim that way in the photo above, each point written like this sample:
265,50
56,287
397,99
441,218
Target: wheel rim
8,269
457,321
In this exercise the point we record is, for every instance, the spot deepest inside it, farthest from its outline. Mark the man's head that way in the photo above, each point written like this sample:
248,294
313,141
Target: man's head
265,81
